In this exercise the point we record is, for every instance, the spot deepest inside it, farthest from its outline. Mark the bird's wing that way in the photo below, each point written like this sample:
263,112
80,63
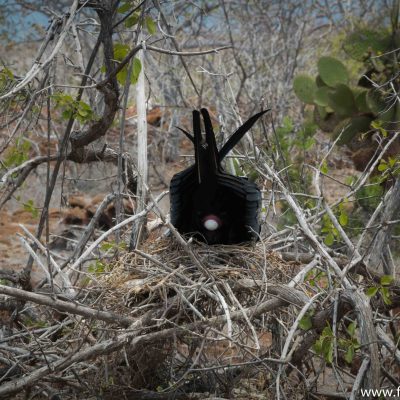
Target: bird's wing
249,193
181,187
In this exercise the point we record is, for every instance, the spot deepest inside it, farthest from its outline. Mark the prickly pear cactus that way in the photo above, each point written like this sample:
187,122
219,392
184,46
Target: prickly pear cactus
348,110
305,88
332,72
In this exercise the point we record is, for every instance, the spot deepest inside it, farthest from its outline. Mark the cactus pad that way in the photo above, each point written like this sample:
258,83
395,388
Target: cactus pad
332,71
361,101
341,100
321,96
305,87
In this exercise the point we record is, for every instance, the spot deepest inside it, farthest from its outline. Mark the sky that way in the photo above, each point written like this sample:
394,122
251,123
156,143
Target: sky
18,25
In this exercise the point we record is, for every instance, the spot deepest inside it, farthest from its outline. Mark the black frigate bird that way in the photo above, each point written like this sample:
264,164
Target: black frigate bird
207,202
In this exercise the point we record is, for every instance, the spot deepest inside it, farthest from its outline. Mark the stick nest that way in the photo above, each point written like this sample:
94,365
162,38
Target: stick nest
163,282
165,270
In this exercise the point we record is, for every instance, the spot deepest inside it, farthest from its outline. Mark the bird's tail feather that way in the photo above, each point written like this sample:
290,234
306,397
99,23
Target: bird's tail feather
212,150
234,139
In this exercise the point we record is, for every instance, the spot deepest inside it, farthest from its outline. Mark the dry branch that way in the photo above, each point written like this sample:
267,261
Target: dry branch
66,306
129,340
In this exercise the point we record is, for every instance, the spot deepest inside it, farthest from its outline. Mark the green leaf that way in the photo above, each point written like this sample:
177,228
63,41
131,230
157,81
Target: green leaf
392,162
120,51
384,132
386,280
150,25
327,348
343,219
351,329
329,239
67,114
308,143
372,291
324,167
84,106
332,71
305,323
121,76
287,124
304,87
382,166
122,246
124,8
106,246
349,356
377,124
132,20
30,207
97,268
7,72
327,331
68,99
386,295
309,127
16,155
318,346
83,113
136,69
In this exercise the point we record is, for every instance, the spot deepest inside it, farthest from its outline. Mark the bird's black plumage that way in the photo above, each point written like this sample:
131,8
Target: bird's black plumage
207,202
